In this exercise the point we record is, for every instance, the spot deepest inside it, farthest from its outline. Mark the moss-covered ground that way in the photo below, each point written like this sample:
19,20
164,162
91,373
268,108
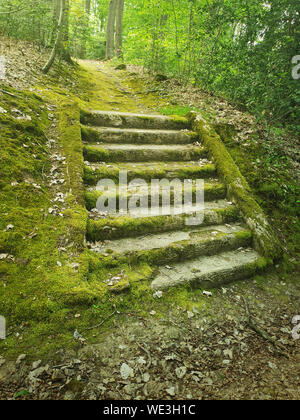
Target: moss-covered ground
47,276
49,284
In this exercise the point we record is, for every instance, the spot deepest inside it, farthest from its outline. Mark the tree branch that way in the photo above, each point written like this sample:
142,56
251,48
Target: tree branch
13,11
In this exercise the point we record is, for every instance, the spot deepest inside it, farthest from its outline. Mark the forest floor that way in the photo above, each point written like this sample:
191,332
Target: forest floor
184,345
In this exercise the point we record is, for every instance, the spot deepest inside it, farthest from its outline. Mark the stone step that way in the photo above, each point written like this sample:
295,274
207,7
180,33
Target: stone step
140,191
170,247
140,153
140,221
210,271
137,136
202,169
126,120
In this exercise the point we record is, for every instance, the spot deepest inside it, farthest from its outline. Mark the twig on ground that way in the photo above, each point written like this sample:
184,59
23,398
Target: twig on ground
148,354
102,322
279,347
10,94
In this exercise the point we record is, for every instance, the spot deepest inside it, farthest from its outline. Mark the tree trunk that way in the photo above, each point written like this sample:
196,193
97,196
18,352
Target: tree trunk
119,28
159,62
176,37
59,37
110,31
55,18
65,53
87,10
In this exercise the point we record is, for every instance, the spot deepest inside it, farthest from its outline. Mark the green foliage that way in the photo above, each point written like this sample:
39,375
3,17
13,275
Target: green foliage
22,393
235,48
238,49
28,20
177,110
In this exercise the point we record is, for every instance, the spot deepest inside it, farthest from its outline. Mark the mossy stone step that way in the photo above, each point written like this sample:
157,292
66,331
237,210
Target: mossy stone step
148,171
210,271
137,136
126,120
170,247
140,153
135,224
141,192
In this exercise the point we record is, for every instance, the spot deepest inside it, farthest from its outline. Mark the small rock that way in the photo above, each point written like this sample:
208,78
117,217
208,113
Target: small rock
58,376
228,353
20,358
146,377
126,371
121,67
38,372
171,391
180,372
36,364
130,389
69,396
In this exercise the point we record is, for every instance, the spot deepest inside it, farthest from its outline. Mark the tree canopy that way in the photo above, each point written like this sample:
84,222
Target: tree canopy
241,49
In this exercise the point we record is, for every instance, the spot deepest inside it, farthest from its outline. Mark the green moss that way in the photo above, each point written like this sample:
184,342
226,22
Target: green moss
244,234
200,245
179,119
262,263
37,288
125,226
238,189
89,134
225,131
96,154
100,154
211,192
91,177
41,298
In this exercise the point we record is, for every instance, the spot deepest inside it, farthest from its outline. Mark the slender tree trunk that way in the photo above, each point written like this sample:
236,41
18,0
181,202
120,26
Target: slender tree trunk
87,10
55,18
88,6
160,58
65,53
176,37
119,28
59,36
188,54
110,31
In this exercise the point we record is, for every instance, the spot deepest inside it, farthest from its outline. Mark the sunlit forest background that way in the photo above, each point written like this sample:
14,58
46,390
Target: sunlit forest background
239,49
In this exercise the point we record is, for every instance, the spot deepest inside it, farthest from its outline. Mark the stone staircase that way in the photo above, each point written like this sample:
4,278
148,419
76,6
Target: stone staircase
216,251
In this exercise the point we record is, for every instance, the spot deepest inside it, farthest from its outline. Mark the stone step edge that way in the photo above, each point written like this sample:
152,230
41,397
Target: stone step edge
179,250
137,136
94,154
126,226
131,120
217,277
212,191
91,177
